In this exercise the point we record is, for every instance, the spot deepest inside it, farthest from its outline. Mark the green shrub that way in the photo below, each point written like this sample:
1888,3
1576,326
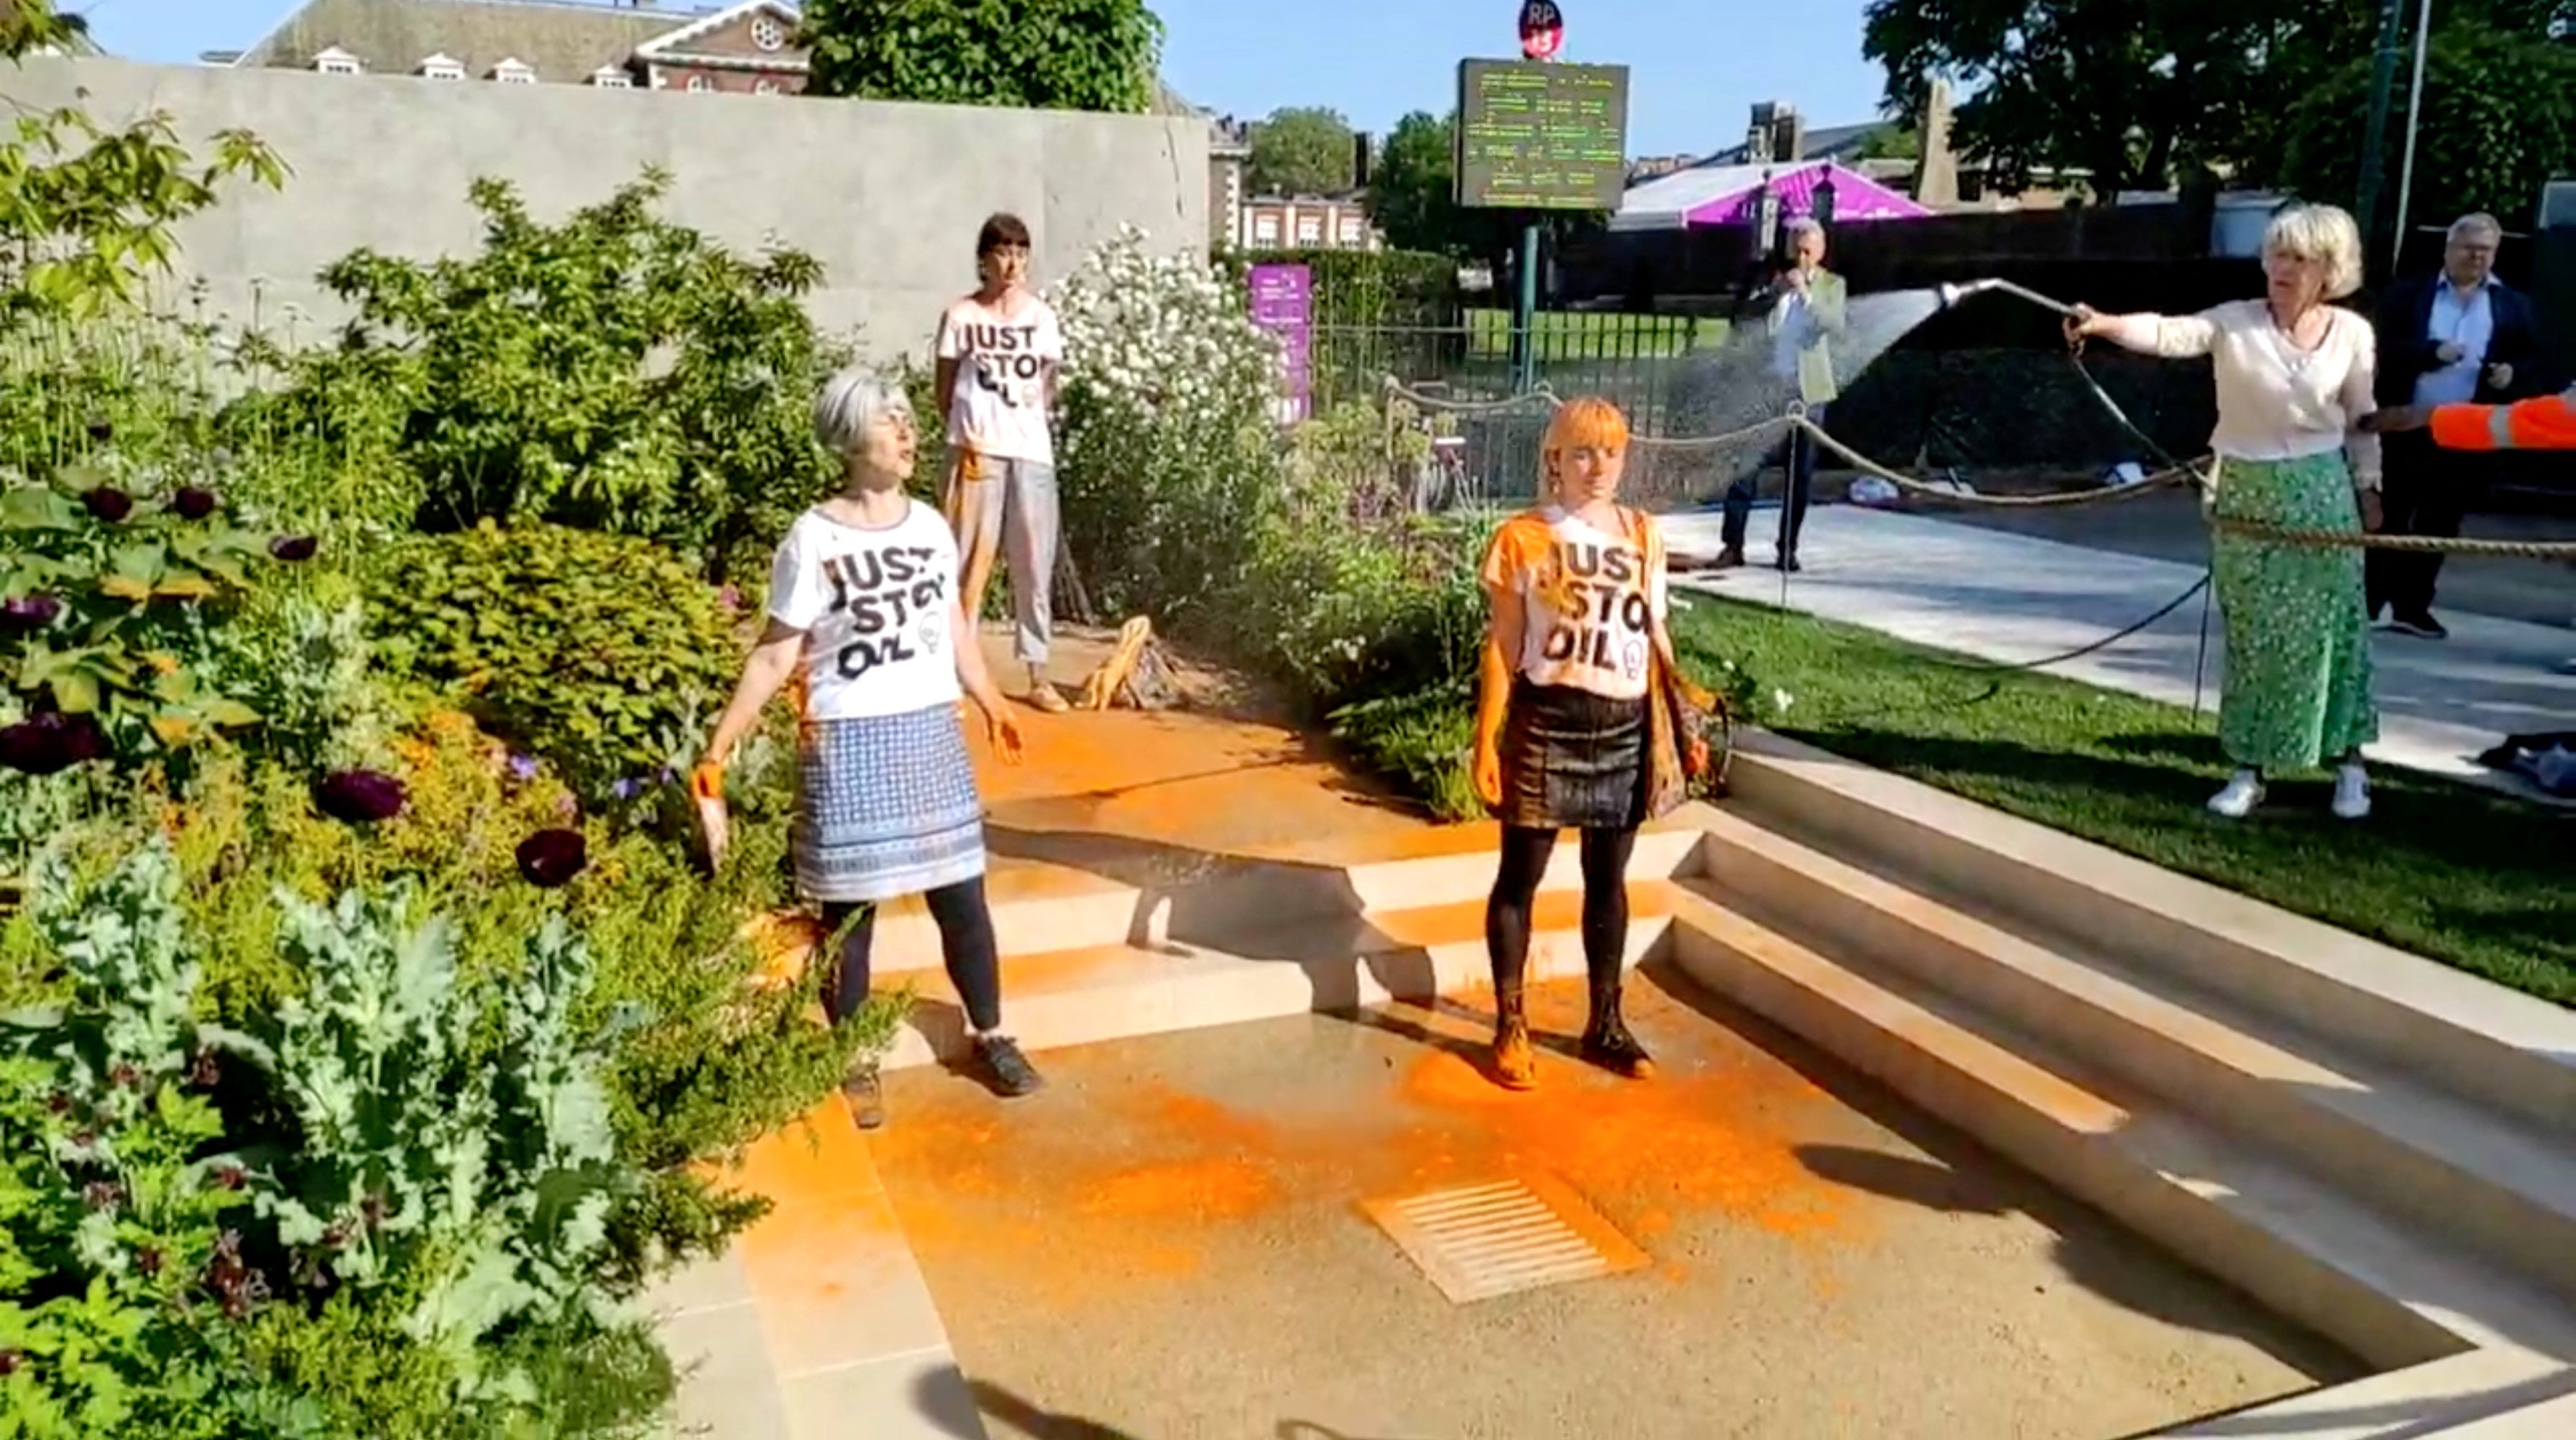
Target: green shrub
113,597
600,653
1423,742
612,372
425,1163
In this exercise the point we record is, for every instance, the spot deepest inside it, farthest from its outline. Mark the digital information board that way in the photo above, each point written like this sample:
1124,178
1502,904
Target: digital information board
1542,135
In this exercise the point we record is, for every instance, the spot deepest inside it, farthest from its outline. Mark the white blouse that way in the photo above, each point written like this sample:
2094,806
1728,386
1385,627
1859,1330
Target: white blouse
2276,401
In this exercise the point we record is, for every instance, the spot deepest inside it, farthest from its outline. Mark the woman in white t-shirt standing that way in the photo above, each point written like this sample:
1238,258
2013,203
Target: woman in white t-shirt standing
999,351
1570,733
2294,376
863,598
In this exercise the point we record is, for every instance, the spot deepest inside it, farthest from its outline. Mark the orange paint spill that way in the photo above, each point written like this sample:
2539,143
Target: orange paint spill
1151,1183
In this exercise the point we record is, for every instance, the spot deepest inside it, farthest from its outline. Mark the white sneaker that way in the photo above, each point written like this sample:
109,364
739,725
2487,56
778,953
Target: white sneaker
2352,793
2240,797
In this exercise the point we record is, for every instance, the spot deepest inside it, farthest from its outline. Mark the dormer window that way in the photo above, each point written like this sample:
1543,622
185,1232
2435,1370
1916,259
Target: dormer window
442,67
514,71
336,61
609,77
768,34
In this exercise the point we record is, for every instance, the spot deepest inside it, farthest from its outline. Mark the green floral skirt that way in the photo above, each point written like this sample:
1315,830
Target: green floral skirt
2298,639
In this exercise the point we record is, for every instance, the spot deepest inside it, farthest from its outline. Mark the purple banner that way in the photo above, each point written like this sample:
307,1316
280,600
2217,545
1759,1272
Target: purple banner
1283,303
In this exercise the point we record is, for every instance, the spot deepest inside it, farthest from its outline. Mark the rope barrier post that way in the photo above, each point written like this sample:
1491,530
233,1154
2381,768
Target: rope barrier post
1525,315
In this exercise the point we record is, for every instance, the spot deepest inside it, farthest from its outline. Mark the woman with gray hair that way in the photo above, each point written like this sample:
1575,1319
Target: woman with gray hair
2295,379
863,599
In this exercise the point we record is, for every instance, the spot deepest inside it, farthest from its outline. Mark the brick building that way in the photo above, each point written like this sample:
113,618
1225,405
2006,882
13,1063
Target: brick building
748,48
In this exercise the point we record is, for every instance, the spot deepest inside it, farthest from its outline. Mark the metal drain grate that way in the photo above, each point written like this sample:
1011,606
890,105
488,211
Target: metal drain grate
1478,1241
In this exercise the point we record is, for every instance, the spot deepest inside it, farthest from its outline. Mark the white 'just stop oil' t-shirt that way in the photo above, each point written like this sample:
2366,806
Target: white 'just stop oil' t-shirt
876,608
1000,405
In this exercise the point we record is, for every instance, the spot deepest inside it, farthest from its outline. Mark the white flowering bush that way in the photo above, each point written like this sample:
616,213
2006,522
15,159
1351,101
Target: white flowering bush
1169,459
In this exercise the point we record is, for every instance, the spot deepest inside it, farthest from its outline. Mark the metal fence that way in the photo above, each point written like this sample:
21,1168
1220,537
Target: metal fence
1643,363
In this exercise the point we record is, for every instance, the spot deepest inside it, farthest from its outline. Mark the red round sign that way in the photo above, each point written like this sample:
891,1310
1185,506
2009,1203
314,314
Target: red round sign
1542,29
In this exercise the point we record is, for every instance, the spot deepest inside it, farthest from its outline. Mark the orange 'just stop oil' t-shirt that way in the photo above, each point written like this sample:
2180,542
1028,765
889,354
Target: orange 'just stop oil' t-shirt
1588,598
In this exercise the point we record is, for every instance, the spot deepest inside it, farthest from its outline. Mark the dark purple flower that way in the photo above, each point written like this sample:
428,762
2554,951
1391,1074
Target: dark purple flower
9,1361
147,1261
358,796
100,429
125,1077
102,1194
193,502
627,789
523,767
108,503
293,548
206,1071
51,742
551,858
27,614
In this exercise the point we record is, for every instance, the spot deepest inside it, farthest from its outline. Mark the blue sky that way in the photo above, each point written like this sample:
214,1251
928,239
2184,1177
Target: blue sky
1696,65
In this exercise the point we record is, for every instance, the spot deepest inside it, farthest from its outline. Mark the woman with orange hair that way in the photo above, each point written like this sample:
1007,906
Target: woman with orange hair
1576,656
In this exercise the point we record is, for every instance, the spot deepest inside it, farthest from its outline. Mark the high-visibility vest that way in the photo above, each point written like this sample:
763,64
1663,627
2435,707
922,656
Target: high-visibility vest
2547,422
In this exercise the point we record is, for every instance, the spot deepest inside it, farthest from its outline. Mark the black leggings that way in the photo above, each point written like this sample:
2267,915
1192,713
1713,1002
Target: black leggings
965,942
1605,906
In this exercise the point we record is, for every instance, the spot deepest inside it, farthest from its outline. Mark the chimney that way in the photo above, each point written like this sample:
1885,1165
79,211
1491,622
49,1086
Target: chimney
1936,171
1760,136
1788,136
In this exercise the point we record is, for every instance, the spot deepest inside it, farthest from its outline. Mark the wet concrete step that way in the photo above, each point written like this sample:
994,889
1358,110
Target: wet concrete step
2374,1283
2492,1182
1108,992
1093,891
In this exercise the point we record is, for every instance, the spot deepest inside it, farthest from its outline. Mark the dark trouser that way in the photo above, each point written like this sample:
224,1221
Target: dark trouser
1798,463
965,942
2426,490
1605,912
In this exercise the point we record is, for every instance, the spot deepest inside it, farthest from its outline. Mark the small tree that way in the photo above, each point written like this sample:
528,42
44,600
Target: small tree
1302,151
1039,54
2498,120
1412,196
86,211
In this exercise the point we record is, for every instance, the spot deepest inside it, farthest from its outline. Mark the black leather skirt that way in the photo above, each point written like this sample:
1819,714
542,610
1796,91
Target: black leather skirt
1572,760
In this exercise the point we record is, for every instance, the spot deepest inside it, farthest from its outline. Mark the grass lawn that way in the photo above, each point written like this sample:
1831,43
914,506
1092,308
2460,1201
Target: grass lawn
2478,881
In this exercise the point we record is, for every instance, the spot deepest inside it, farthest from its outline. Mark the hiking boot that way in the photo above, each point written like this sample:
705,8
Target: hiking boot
866,1097
1608,1044
1515,1063
1730,558
1006,1070
1788,564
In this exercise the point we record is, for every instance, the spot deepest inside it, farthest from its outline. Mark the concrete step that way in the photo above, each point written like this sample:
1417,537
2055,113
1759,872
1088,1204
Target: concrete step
2383,1289
2502,1050
2463,1169
1109,992
2474,1388
1107,892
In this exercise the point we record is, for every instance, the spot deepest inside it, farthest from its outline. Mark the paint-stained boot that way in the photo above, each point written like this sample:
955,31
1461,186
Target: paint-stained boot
1607,1043
1515,1062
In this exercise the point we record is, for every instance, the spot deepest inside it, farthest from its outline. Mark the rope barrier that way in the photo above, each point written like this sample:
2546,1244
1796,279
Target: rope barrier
2192,473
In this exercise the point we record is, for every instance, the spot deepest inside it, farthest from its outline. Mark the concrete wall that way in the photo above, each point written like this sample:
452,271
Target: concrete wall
887,196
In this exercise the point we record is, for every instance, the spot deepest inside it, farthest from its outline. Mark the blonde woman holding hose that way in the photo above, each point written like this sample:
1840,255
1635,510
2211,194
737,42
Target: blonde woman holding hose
2295,375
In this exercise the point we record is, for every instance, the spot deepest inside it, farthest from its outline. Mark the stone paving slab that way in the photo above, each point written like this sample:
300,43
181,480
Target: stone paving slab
2012,598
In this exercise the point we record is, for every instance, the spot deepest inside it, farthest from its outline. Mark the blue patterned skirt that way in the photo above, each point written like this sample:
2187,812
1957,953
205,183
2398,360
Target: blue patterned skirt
886,806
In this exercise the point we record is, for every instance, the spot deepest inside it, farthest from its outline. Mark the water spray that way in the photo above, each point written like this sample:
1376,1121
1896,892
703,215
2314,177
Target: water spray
1955,291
